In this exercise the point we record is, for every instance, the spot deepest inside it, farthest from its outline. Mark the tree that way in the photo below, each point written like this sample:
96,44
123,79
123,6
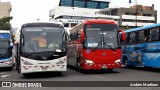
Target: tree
5,23
123,28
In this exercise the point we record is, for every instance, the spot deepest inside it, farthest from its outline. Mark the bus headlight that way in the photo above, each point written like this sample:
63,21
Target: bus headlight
9,62
62,61
89,61
118,61
26,62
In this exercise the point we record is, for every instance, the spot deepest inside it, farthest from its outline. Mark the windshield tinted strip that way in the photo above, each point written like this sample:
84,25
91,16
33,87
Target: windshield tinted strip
42,25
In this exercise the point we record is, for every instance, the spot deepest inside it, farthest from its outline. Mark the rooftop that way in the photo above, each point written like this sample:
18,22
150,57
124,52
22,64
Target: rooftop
96,4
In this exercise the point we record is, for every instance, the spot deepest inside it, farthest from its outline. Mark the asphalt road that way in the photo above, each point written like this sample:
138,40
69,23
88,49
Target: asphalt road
119,74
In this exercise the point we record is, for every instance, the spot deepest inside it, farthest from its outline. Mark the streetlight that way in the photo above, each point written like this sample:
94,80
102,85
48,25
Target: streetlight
135,10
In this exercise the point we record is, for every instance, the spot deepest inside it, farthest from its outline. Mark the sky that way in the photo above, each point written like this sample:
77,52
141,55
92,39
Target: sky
29,10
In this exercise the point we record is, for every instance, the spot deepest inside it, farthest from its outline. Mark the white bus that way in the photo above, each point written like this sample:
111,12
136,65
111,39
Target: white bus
42,48
6,50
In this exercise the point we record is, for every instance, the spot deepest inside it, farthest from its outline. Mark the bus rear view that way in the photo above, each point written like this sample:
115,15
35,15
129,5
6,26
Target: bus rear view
42,48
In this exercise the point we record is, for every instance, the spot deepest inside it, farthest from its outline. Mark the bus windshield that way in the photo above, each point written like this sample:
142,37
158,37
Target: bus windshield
101,36
42,39
4,48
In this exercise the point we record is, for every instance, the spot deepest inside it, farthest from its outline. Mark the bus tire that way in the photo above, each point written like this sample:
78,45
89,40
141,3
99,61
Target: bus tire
80,69
126,63
25,75
78,66
18,70
61,73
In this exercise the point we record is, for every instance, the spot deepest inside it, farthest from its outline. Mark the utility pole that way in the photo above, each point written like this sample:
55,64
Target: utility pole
136,10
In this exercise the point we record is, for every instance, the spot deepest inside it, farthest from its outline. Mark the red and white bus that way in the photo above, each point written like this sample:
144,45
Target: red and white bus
95,44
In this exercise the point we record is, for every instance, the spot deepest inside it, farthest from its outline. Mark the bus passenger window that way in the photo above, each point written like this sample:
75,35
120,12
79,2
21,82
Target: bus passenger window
141,36
132,37
154,34
147,36
73,24
66,24
78,34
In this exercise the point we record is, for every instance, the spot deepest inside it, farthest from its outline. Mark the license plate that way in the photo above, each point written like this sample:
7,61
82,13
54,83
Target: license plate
44,68
104,67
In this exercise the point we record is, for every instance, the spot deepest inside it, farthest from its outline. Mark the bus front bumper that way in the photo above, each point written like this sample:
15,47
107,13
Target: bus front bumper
41,66
100,66
6,63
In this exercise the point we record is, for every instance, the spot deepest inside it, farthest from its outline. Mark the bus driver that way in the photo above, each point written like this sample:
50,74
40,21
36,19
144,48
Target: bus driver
42,42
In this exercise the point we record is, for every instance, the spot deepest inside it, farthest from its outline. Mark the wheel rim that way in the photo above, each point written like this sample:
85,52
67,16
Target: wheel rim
78,66
126,63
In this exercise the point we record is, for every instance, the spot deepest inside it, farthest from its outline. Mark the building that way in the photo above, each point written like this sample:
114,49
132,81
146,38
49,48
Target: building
132,17
95,4
71,16
5,9
70,13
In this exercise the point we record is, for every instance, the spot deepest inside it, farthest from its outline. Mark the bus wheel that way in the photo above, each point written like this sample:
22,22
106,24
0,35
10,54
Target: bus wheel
25,75
61,73
126,63
81,70
18,70
78,67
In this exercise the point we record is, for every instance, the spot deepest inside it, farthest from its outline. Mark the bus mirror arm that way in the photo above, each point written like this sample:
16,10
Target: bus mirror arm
123,37
11,47
82,35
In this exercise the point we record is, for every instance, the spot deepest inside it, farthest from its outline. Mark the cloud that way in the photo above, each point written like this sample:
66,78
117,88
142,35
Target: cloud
29,10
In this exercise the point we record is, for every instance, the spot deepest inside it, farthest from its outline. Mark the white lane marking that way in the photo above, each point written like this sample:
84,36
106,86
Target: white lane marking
3,73
4,76
98,76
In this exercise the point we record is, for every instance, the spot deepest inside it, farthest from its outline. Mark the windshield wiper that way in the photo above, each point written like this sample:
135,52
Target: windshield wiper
97,46
104,44
109,46
40,53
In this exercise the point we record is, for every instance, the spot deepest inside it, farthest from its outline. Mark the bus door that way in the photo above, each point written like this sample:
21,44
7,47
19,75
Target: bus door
131,49
140,46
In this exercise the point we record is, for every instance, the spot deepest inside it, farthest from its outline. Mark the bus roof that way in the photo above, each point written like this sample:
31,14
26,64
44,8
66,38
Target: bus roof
4,31
91,21
144,27
44,22
99,21
38,23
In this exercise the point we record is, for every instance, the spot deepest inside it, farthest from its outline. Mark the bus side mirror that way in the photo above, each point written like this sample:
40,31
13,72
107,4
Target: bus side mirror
82,36
123,35
11,45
